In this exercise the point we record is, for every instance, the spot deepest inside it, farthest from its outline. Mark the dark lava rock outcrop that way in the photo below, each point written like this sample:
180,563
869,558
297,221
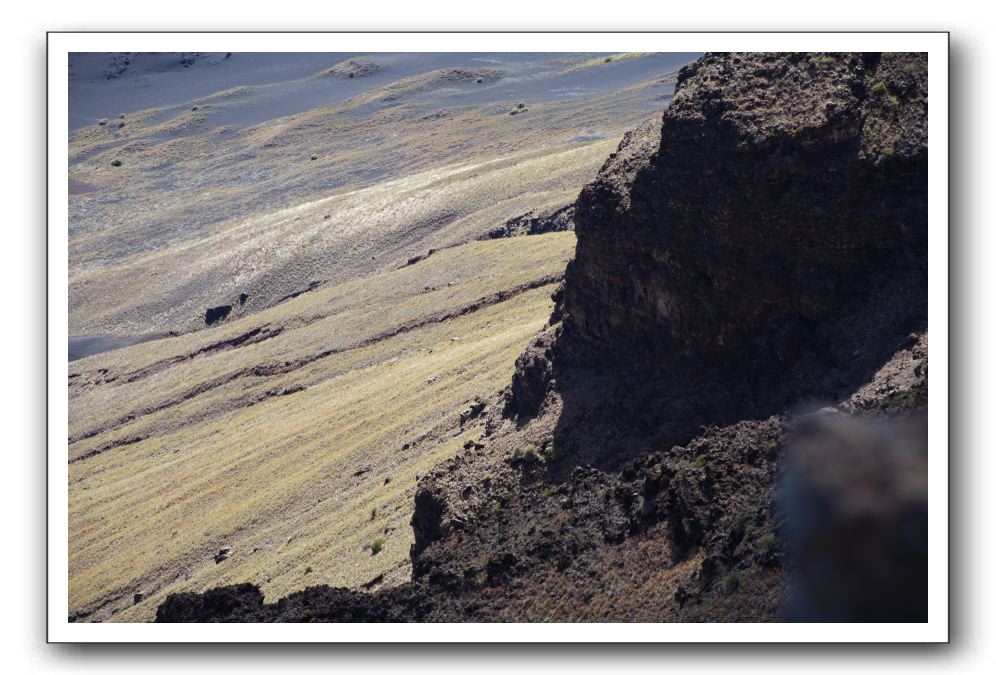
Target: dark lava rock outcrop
747,269
778,190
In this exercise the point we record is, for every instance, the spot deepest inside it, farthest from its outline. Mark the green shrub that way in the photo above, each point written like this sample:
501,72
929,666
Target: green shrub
377,545
767,544
879,89
121,116
550,491
308,569
700,462
528,454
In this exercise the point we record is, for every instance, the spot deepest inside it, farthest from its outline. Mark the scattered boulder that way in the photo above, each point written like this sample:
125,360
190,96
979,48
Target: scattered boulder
213,315
224,553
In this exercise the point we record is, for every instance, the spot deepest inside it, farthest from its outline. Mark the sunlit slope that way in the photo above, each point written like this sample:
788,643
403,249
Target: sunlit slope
186,445
269,257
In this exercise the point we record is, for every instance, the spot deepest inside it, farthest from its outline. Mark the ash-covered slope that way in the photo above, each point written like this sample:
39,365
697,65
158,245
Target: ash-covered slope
759,255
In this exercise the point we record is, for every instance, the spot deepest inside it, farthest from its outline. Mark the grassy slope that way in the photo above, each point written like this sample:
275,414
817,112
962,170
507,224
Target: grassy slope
332,239
274,478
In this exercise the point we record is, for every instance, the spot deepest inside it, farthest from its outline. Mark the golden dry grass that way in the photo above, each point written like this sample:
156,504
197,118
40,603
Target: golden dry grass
217,460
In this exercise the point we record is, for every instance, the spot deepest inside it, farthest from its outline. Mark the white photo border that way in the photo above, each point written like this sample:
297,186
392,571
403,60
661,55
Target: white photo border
935,44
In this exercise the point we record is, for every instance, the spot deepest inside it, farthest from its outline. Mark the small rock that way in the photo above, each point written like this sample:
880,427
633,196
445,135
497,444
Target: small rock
138,598
223,554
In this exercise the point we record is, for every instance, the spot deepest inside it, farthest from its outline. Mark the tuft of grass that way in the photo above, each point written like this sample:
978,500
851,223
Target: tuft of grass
879,89
489,479
373,513
102,122
700,462
550,491
377,545
121,116
308,569
529,455
767,544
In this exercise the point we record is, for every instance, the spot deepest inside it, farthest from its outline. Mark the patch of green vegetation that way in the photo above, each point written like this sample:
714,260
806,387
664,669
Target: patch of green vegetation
767,544
772,445
529,454
308,569
700,462
304,617
102,122
740,521
879,89
551,491
828,60
373,513
377,545
608,59
121,116
496,507
903,400
488,479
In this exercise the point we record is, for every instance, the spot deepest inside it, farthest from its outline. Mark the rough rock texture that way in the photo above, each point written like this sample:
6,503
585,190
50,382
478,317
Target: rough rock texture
748,274
779,190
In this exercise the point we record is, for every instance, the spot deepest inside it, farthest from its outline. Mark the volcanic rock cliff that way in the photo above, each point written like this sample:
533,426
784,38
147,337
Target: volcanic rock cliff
746,306
778,190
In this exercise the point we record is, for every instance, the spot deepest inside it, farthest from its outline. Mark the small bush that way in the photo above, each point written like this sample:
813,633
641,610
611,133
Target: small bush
529,454
879,89
377,545
520,105
102,122
488,478
313,157
608,59
115,162
121,116
373,513
308,569
550,492
700,462
767,544
193,107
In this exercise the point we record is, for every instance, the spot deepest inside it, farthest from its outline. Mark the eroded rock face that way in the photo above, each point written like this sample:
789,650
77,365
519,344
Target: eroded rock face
775,193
